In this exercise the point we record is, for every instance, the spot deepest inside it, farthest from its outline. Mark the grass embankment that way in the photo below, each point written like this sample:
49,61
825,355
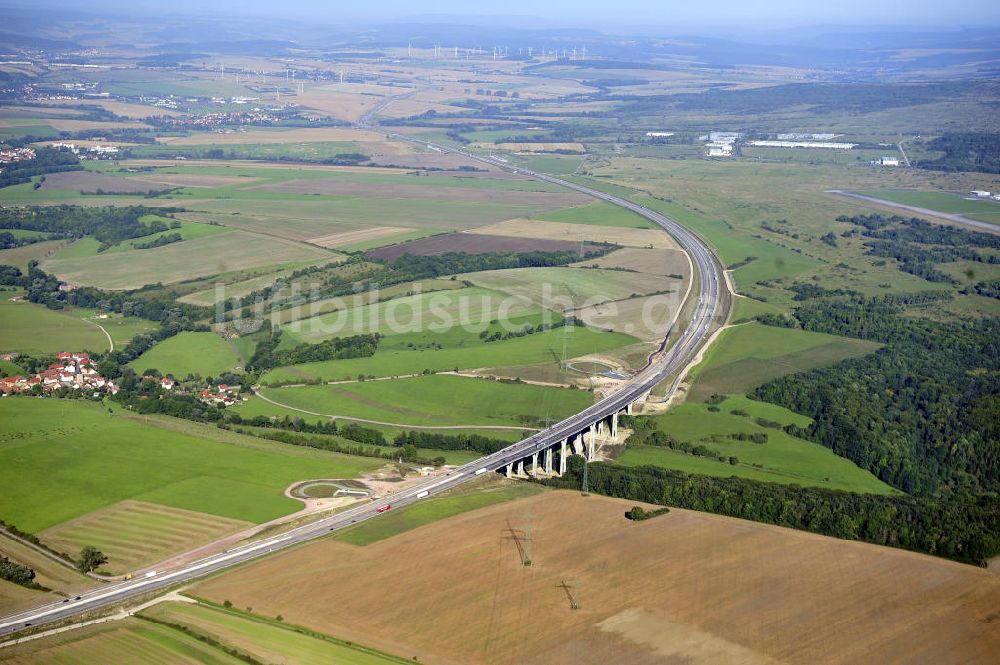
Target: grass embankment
479,494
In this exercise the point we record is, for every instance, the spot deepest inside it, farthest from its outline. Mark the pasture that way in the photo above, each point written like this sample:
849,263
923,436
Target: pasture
437,311
203,353
52,450
599,213
563,288
209,255
748,355
436,400
30,328
782,459
464,352
706,593
20,257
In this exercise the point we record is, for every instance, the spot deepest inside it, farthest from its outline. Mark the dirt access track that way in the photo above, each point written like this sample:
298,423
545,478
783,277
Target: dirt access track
684,587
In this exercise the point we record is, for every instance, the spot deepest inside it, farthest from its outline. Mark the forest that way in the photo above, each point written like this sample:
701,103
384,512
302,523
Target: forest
922,413
964,151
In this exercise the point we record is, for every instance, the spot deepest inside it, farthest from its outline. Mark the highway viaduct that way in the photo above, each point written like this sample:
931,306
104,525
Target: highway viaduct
544,452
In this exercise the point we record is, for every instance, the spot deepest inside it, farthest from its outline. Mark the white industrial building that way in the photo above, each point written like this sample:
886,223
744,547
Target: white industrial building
802,144
978,193
888,161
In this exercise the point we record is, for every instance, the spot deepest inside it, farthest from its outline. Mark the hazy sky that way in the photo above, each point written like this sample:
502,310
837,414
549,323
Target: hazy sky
761,14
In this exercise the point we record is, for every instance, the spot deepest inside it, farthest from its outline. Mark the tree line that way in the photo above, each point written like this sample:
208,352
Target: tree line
966,531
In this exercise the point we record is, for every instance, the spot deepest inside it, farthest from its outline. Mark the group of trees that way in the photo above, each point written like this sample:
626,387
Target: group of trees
967,530
16,573
481,444
109,225
268,355
919,245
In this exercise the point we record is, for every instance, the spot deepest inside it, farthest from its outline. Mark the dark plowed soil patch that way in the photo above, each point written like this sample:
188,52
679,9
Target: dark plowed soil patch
86,181
474,243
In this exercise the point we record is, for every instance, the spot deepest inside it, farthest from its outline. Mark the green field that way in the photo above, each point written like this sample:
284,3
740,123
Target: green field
265,639
564,288
51,452
453,502
207,255
30,328
434,400
782,459
984,210
750,354
473,308
470,352
600,213
127,641
187,353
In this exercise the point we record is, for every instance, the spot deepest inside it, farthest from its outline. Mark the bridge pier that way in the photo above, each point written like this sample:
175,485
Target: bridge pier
562,459
509,470
534,464
592,430
614,425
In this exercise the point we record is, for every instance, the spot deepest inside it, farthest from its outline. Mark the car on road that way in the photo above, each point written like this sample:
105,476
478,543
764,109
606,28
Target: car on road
384,508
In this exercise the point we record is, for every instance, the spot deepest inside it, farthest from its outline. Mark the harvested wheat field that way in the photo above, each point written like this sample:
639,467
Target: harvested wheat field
474,243
651,261
535,228
684,587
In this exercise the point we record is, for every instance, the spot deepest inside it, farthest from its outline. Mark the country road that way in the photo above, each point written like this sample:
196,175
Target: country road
660,367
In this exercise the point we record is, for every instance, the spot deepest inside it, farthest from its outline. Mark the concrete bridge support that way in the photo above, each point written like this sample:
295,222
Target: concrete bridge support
549,454
534,464
562,458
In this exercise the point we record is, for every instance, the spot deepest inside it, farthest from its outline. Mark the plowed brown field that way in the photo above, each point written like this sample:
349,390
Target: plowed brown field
685,588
